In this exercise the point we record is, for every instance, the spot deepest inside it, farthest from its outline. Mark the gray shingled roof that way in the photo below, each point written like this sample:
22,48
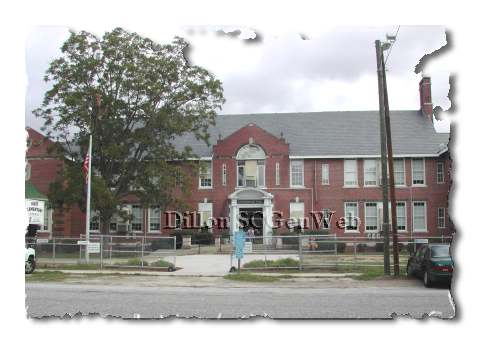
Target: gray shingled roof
344,133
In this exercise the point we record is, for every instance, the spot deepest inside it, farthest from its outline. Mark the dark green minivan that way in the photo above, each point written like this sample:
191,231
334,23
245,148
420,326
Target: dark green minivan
432,263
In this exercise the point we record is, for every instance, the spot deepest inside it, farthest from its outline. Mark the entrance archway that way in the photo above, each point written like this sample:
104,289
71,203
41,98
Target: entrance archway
251,200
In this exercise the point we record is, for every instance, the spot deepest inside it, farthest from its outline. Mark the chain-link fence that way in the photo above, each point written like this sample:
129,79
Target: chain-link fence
105,251
326,251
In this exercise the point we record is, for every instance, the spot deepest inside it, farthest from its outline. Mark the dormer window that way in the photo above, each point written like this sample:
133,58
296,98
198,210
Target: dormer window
251,166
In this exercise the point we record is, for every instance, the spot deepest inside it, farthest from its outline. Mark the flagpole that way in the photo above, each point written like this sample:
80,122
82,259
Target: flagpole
87,210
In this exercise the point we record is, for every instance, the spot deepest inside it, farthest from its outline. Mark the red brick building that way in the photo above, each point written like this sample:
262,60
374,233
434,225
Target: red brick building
286,166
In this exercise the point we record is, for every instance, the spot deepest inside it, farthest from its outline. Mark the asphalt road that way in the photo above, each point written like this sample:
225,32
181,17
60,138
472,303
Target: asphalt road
56,299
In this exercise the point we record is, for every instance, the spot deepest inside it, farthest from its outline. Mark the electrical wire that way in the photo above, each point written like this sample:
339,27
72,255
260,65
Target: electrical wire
391,47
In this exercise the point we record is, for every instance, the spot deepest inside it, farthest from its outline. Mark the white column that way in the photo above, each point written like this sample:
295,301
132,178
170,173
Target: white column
267,221
233,216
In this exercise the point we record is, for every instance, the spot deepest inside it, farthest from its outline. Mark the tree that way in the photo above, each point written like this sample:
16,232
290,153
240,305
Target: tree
135,96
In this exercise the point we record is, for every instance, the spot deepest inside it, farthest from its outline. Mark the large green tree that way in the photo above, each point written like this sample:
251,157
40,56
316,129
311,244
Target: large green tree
135,96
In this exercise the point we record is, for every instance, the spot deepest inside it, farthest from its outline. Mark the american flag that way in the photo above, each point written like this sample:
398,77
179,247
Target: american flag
85,168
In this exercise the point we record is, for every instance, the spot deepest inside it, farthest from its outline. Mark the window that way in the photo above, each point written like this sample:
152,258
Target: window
205,210
325,174
224,174
418,171
441,218
277,181
351,216
137,218
28,171
297,214
154,219
401,216
47,220
251,173
205,178
370,167
297,172
326,218
419,216
399,172
94,221
371,216
440,172
350,172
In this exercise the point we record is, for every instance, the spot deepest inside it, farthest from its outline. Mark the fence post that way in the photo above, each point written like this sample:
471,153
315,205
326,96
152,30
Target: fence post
174,239
336,251
53,248
142,251
101,252
355,253
300,252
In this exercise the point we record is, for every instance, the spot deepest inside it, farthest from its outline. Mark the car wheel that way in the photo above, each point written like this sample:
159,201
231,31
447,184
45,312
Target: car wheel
409,270
29,266
426,279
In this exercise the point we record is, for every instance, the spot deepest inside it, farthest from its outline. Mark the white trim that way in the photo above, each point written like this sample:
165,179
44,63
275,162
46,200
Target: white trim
327,177
357,230
406,224
149,221
404,174
444,218
302,174
376,212
424,184
443,172
356,184
413,216
408,155
224,174
199,178
277,174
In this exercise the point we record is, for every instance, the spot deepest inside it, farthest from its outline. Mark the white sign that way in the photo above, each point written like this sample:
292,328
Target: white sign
248,247
421,240
42,240
83,243
35,211
93,247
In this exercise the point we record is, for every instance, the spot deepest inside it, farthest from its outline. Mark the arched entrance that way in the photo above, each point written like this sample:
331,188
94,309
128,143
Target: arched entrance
255,202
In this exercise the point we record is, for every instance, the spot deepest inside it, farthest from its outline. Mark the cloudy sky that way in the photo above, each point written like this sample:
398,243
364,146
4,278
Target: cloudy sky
333,69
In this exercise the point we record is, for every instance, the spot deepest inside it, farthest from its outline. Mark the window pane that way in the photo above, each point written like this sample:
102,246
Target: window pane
350,172
325,174
351,212
296,173
370,172
260,175
371,216
419,216
399,171
418,171
401,216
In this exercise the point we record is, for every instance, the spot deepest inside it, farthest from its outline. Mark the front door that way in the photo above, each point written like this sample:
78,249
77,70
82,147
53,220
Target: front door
252,217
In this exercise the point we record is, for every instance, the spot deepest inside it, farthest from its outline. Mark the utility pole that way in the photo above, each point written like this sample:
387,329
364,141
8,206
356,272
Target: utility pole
383,153
393,201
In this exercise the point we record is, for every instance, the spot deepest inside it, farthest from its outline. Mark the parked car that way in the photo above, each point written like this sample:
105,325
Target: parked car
432,263
29,260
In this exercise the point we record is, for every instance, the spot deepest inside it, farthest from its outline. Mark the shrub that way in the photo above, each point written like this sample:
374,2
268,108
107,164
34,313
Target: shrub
379,247
361,247
132,262
285,262
162,243
160,263
205,238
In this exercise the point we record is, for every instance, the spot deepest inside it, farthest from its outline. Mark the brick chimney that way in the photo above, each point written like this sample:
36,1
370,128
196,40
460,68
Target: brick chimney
425,89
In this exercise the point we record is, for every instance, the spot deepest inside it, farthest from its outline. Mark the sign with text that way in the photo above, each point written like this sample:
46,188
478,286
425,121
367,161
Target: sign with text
93,248
35,211
239,242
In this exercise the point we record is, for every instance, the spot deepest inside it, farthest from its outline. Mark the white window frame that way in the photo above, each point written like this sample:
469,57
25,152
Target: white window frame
404,183
373,204
149,218
132,207
302,163
356,217
298,206
413,216
355,184
47,228
325,174
224,173
206,207
264,173
404,203
441,218
440,173
377,175
424,174
210,166
277,174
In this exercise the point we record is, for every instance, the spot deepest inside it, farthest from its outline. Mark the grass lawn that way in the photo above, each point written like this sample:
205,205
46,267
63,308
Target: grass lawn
254,278
79,266
46,276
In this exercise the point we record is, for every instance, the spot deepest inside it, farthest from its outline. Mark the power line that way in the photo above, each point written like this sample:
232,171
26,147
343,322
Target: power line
391,47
